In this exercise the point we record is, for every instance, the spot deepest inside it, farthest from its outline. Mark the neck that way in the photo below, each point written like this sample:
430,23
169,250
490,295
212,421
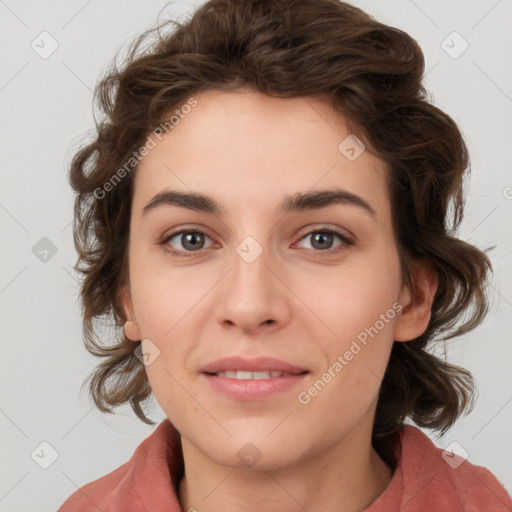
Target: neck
346,478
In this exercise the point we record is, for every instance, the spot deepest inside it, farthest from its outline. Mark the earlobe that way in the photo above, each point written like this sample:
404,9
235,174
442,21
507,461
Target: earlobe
131,329
415,316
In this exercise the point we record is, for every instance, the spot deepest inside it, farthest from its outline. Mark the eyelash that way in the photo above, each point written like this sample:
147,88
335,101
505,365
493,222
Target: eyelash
346,241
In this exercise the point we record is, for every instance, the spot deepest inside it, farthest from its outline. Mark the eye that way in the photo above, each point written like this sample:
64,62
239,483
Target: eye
191,241
322,240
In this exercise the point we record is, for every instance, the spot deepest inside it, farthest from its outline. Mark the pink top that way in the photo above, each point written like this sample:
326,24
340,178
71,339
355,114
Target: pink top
422,482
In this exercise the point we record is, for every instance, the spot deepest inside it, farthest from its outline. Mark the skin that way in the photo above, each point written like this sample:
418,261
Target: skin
247,151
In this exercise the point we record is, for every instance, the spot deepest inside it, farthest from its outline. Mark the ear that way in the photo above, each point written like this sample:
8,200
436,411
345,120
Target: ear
417,303
131,329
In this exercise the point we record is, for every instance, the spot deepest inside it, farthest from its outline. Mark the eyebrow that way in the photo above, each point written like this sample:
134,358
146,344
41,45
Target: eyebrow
300,201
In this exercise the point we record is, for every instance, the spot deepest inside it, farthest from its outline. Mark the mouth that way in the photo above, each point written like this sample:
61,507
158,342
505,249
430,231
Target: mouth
244,379
262,367
253,375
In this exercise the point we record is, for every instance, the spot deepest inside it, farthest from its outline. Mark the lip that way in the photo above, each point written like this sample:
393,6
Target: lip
257,364
252,389
257,389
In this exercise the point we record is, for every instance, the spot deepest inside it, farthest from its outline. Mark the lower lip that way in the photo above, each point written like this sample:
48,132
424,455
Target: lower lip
253,389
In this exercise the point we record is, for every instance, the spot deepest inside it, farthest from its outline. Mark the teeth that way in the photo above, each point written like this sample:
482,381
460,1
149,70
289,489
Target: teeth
244,375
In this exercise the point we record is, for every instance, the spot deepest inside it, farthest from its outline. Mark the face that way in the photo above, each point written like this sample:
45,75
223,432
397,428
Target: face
315,286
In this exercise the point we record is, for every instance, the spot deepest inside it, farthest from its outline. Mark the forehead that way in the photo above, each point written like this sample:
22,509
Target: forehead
246,145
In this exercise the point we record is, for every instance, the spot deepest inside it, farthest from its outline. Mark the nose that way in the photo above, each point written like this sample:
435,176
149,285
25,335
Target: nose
252,296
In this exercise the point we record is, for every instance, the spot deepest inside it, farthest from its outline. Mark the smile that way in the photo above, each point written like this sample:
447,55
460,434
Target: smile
246,375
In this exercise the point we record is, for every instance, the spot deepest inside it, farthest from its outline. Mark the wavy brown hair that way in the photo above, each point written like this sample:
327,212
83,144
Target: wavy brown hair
370,73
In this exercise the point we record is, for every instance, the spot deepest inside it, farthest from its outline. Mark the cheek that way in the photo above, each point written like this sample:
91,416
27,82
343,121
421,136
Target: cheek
163,296
360,309
167,303
358,297
344,388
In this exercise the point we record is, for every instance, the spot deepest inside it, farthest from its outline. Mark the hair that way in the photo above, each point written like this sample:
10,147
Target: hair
371,74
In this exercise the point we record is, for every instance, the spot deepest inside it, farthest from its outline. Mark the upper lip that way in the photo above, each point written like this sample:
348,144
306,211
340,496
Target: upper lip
256,364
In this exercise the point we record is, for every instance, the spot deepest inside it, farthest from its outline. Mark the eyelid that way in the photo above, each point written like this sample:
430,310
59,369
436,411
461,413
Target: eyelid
318,228
184,228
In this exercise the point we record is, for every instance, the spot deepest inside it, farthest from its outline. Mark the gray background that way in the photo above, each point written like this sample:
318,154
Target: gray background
45,111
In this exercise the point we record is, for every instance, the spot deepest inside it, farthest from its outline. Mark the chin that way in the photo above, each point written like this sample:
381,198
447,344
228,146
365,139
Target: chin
258,445
261,455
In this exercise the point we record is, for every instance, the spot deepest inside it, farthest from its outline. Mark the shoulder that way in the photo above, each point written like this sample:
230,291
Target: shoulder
101,494
445,481
152,468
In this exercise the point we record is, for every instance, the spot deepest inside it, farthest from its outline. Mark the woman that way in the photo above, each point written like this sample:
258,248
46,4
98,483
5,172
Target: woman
266,213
